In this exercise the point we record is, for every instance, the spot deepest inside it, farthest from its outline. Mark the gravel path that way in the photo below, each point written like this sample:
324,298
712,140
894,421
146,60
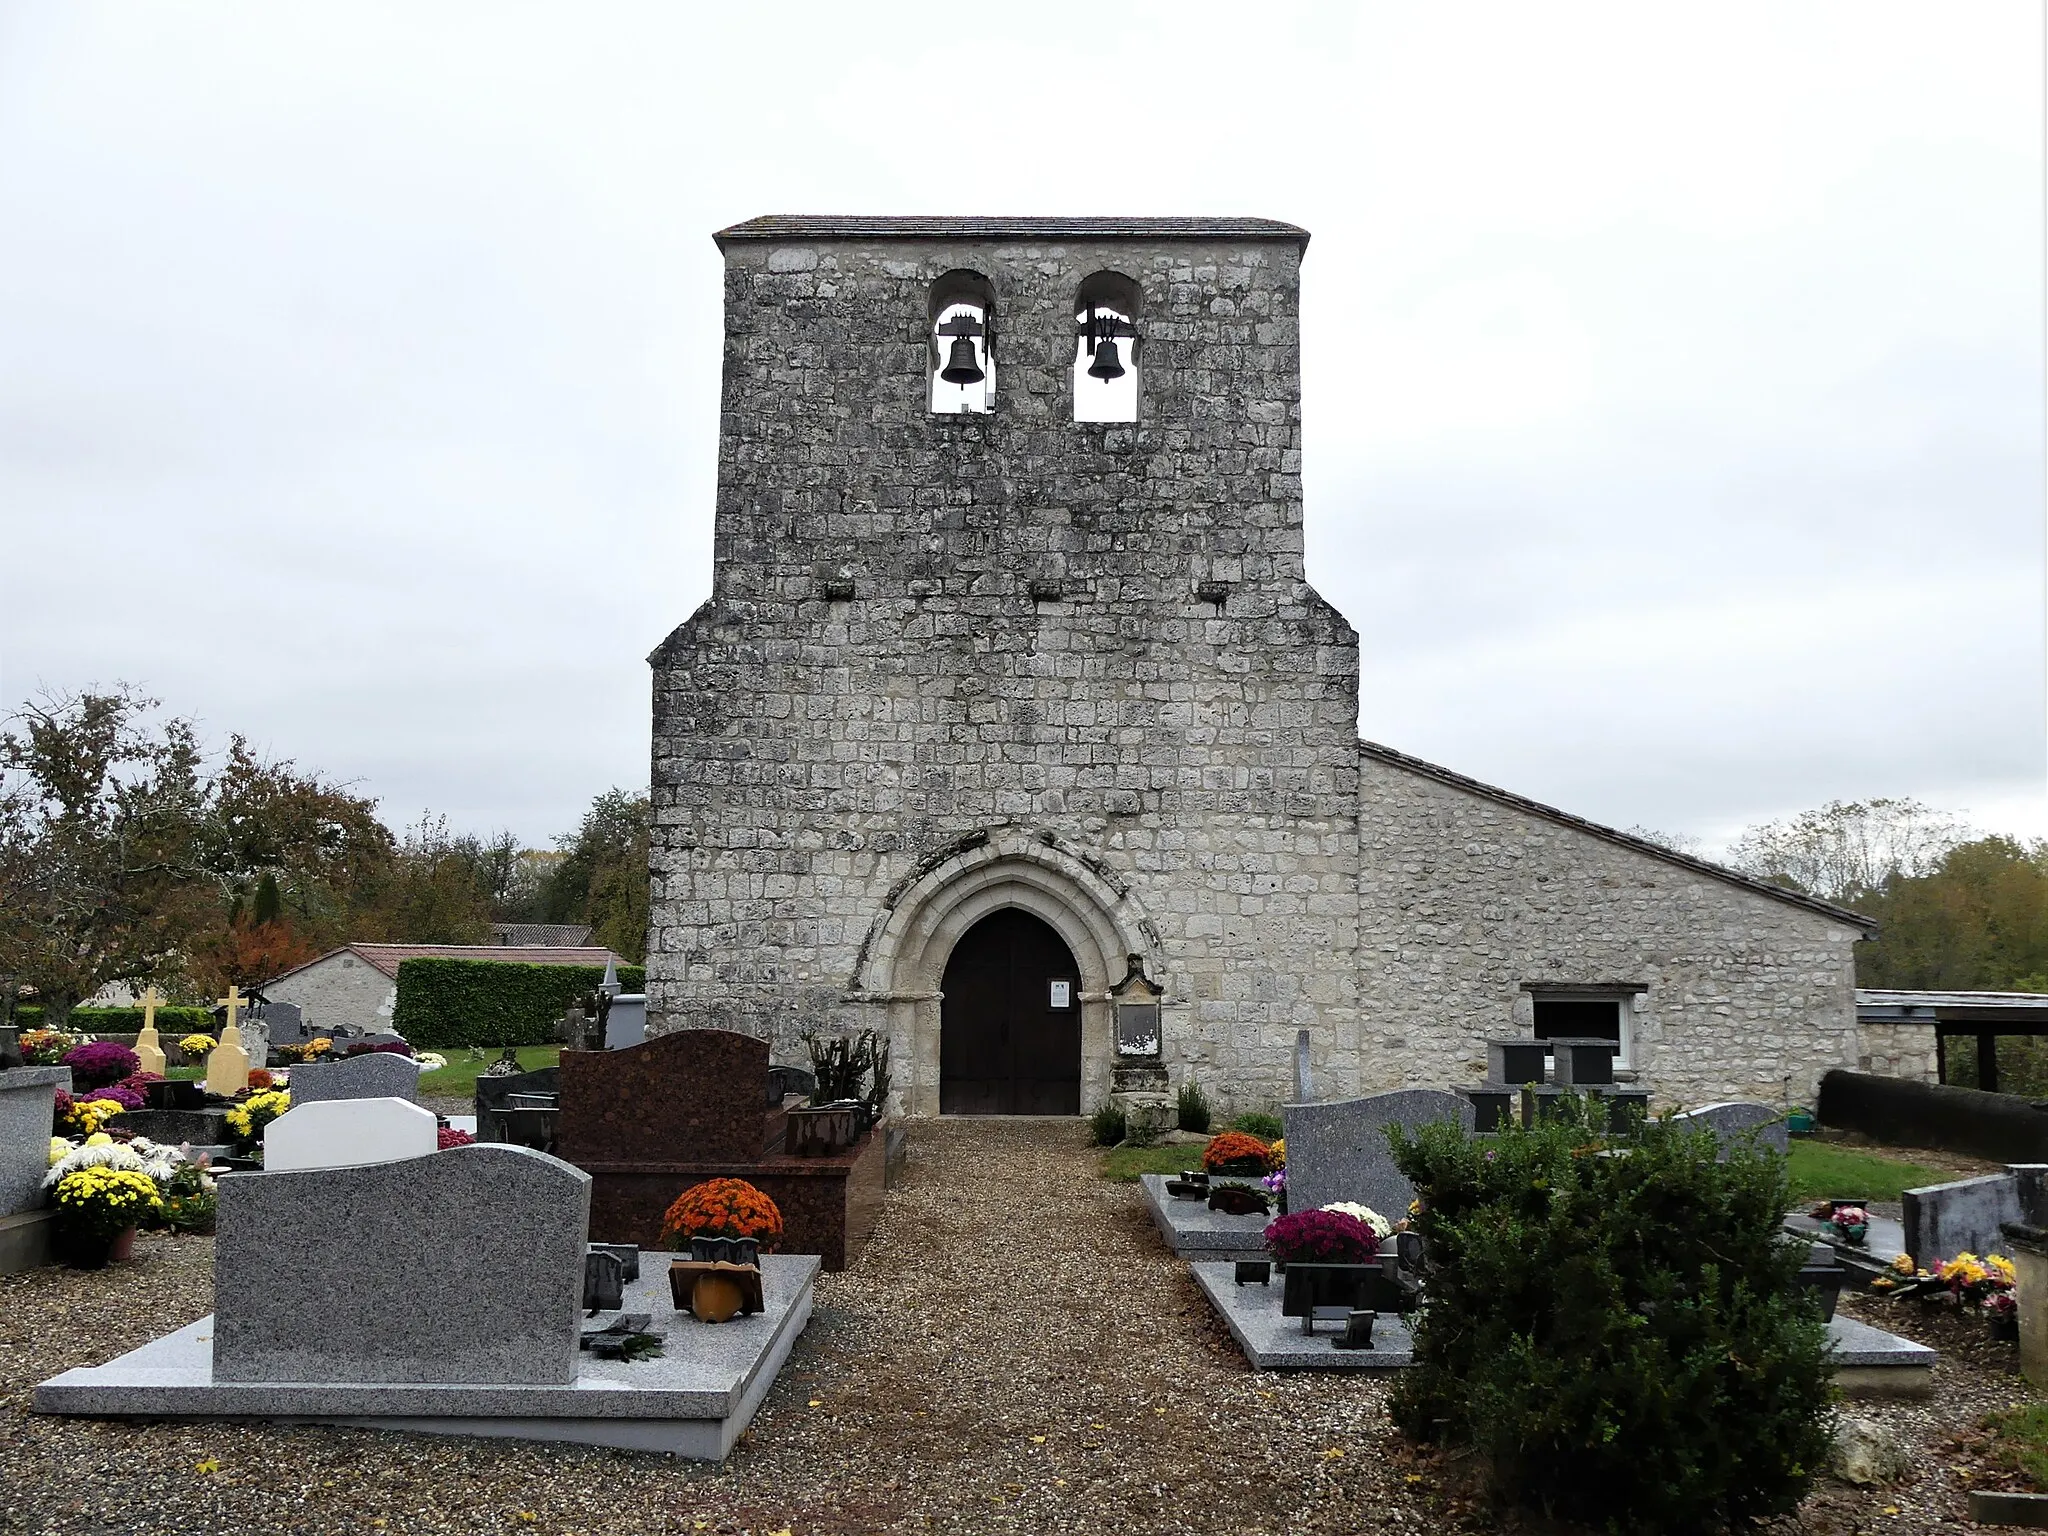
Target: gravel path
1015,1351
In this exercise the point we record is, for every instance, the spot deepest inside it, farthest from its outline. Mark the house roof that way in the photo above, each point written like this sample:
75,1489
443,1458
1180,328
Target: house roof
386,957
550,934
1627,840
794,226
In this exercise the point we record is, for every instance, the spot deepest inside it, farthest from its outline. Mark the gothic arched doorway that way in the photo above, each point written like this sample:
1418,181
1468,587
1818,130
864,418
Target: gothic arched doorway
1010,1024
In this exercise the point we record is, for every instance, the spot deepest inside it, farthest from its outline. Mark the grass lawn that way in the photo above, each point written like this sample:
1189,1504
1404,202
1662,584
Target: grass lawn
1821,1170
1124,1164
457,1080
2022,1435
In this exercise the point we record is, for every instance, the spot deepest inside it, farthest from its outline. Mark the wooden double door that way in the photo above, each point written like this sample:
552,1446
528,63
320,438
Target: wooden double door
1010,1024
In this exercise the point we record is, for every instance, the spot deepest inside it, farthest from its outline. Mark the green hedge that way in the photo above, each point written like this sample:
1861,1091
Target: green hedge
171,1023
444,1003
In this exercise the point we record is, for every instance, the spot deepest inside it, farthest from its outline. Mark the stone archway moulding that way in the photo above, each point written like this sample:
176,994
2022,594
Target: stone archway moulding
908,944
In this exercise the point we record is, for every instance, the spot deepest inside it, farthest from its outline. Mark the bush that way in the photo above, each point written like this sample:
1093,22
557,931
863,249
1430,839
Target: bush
1194,1108
170,1022
1620,1337
1106,1125
444,1003
1260,1124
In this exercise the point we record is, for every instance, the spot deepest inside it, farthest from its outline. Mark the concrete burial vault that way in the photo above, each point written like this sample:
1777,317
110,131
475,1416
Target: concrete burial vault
441,1294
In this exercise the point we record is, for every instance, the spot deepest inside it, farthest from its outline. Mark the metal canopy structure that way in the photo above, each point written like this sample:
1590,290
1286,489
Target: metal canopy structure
1984,1015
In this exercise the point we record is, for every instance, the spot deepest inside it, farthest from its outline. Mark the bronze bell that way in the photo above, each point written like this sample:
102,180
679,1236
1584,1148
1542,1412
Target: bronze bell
961,368
1106,365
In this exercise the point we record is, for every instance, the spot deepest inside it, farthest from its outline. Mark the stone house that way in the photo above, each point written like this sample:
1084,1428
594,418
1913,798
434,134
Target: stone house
356,986
1012,698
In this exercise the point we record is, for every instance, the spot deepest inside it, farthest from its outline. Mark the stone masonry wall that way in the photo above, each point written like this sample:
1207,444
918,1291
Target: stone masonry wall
810,752
342,989
1463,898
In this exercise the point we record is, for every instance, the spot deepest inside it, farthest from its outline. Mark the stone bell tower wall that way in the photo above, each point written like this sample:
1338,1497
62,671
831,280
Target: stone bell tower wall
954,662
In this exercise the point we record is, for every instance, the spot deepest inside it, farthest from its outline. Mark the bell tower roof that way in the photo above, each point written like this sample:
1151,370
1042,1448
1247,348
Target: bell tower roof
834,226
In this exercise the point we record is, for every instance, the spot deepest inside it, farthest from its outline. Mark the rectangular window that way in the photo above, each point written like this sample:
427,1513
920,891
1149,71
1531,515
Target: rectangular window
1585,1016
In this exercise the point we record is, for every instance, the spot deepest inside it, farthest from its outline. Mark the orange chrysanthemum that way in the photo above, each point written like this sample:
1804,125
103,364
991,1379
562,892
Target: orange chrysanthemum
1234,1147
722,1208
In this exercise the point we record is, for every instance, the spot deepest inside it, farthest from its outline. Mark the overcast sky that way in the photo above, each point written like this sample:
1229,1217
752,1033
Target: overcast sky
1673,375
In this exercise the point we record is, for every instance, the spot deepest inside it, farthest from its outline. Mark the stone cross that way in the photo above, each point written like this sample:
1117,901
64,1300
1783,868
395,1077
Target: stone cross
149,1051
227,1066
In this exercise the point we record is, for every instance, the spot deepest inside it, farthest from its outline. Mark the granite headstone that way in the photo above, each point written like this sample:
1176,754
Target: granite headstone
372,1075
1339,1151
340,1133
1304,1084
1736,1120
28,1097
463,1267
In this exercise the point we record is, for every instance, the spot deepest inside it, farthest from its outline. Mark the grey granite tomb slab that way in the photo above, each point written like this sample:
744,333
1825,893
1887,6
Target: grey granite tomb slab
693,1401
1867,1361
372,1075
1194,1231
28,1099
465,1266
1733,1120
1339,1151
1273,1342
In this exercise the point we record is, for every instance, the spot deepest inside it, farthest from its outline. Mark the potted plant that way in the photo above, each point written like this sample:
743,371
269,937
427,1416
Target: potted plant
1321,1237
1851,1223
98,1210
727,1220
247,1119
1238,1154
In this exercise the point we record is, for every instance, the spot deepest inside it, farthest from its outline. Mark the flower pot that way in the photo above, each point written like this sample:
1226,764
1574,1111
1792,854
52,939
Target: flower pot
1855,1236
2003,1328
122,1249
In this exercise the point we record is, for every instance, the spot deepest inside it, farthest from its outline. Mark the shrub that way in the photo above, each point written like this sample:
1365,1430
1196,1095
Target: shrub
1321,1237
443,1003
119,1021
1257,1122
1234,1152
1194,1108
722,1208
1106,1125
1620,1337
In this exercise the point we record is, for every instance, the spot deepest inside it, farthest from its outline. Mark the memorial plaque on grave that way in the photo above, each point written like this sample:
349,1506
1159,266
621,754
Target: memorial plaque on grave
1737,1122
1137,1029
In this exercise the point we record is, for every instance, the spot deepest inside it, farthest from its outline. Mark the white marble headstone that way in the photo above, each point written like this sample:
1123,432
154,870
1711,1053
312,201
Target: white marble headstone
343,1133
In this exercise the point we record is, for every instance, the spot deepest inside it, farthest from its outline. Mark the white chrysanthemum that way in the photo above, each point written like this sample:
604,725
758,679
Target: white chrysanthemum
1379,1224
60,1149
430,1061
108,1155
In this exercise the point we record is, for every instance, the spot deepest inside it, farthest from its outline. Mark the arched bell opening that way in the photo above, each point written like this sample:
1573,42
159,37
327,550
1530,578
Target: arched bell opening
1010,1020
961,332
1106,314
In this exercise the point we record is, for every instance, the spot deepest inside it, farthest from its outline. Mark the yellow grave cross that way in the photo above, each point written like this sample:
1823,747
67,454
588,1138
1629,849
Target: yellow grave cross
234,1002
151,1001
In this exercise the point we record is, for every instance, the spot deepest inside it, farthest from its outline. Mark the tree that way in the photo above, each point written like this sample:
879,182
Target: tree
602,877
1847,849
431,893
99,813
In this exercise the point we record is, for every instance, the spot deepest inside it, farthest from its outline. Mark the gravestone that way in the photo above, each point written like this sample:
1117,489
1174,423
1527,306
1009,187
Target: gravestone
1583,1063
28,1098
227,1064
494,1093
1733,1121
286,1023
1517,1061
149,1049
372,1075
1304,1085
340,1133
625,1022
1339,1151
464,1267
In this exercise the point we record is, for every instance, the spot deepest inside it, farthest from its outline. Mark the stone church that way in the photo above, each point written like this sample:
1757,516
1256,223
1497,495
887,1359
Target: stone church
1012,704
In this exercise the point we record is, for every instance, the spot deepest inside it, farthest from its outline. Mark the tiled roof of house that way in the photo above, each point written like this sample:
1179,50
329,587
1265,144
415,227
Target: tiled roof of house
551,934
795,226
